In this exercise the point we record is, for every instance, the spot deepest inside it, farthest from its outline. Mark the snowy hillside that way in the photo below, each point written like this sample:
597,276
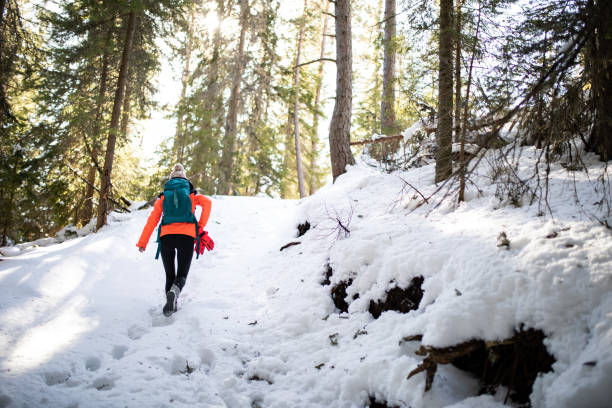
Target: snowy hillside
81,323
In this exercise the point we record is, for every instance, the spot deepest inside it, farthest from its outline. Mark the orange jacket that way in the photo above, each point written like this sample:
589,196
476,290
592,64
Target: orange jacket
184,228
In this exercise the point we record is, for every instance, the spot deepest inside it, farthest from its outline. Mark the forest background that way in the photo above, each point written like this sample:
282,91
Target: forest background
256,88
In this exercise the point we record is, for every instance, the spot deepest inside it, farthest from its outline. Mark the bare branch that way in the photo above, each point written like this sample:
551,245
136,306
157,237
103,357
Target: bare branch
312,62
95,188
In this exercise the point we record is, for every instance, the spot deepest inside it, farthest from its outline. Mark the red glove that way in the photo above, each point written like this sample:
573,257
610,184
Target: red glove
205,241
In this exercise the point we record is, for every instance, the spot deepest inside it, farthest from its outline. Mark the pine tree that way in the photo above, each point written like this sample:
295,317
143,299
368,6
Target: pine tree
340,126
229,139
445,93
114,124
387,108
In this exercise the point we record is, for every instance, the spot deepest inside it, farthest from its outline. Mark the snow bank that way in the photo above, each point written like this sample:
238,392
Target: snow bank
82,325
556,275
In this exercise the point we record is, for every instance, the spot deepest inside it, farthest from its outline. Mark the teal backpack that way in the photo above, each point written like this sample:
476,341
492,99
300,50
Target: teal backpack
177,208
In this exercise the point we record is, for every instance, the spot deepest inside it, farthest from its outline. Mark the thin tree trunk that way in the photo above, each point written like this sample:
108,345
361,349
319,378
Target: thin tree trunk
87,211
284,189
229,140
296,106
387,105
445,93
314,152
8,220
112,134
600,140
465,112
458,45
179,142
257,118
125,113
340,125
212,108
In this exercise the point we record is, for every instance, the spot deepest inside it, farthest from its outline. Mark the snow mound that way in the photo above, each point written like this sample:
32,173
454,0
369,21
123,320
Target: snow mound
82,325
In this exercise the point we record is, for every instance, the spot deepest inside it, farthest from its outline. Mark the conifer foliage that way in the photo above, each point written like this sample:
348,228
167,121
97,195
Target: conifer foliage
260,82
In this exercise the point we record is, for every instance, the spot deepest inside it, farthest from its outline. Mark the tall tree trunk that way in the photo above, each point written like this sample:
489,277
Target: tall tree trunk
463,126
105,184
387,104
296,106
212,108
127,103
314,141
229,139
445,93
600,140
179,142
340,125
287,156
7,222
458,45
87,211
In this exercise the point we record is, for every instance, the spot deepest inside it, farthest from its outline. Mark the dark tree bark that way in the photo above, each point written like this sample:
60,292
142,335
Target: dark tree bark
127,103
600,53
87,211
229,139
463,126
340,125
387,105
105,184
458,45
445,93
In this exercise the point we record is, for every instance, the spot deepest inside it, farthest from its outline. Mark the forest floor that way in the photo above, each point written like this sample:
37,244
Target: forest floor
81,323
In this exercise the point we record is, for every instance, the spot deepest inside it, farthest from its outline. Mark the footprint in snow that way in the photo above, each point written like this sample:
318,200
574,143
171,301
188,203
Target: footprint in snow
93,363
103,383
161,320
56,377
136,331
118,352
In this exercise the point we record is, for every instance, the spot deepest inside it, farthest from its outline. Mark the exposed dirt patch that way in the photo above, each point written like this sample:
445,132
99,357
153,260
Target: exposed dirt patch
328,274
338,294
375,403
514,363
303,228
400,300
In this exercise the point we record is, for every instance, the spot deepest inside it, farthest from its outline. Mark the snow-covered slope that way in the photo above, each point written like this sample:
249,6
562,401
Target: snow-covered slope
81,322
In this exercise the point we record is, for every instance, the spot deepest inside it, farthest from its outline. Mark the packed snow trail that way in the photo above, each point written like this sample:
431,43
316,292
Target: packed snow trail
83,323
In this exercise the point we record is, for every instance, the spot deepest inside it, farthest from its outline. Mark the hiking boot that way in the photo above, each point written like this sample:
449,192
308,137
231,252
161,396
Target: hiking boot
171,297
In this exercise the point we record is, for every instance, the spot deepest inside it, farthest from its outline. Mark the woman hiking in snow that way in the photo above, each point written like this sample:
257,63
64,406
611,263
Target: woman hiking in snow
178,232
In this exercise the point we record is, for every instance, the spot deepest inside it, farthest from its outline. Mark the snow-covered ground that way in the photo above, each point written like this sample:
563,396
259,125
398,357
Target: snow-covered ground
81,323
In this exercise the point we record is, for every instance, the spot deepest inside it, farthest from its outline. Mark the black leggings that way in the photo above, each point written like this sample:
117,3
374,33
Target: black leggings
182,246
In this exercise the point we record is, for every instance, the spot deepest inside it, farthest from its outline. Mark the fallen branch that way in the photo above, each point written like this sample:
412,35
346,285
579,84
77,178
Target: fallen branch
415,189
380,139
290,245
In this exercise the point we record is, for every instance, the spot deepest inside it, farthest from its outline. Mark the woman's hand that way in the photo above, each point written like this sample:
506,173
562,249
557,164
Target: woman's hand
141,249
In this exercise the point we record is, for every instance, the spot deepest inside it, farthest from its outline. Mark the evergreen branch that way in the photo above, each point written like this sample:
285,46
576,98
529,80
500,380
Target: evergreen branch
76,173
